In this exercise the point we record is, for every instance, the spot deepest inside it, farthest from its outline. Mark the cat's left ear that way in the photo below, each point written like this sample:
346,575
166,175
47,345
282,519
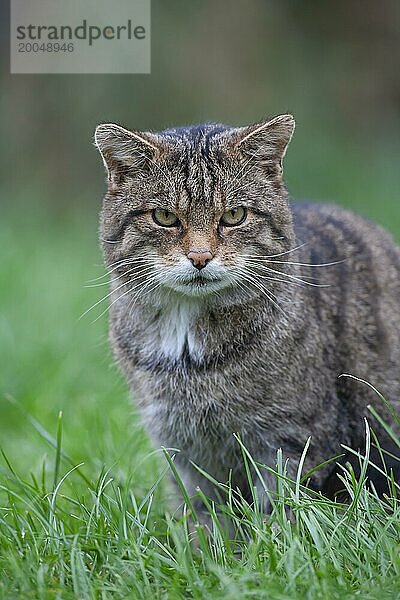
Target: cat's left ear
267,142
124,152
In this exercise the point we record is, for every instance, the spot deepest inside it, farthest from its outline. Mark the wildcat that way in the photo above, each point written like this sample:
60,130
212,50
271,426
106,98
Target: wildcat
233,311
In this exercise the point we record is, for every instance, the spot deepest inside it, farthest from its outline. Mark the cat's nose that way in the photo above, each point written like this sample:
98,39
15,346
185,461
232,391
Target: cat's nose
199,258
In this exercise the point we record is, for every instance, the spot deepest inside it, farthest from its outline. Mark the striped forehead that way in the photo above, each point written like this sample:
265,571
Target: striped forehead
199,170
198,181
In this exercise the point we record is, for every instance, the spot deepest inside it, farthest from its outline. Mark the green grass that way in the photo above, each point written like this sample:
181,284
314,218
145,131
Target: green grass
83,511
67,536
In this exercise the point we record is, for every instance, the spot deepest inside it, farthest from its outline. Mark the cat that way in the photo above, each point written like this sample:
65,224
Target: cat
234,311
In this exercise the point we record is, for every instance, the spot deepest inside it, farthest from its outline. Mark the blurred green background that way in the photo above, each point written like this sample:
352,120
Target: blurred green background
335,66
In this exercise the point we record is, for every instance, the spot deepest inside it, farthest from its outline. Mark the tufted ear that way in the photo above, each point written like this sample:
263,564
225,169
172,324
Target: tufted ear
125,152
267,142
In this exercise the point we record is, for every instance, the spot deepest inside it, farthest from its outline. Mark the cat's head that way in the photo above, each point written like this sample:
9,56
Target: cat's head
195,210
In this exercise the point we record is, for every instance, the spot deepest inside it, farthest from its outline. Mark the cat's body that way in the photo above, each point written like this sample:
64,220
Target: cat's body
262,356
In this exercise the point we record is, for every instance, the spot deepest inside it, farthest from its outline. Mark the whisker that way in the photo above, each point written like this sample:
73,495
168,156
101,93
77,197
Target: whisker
256,284
101,300
121,263
113,302
245,271
142,274
140,285
299,264
106,274
264,267
143,291
276,255
139,271
133,257
283,274
285,281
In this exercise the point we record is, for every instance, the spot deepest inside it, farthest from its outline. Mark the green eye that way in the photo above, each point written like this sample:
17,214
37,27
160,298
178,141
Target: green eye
234,216
165,218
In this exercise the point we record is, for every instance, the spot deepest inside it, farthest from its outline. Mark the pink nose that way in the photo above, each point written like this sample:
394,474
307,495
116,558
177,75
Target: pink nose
199,258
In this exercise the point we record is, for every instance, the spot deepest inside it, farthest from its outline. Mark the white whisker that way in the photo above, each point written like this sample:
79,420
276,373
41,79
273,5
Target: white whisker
247,277
123,262
276,255
285,281
131,288
299,264
113,302
143,292
141,275
125,274
288,275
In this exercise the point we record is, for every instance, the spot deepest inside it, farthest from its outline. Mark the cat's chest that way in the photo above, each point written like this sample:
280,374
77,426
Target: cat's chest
175,331
200,430
205,430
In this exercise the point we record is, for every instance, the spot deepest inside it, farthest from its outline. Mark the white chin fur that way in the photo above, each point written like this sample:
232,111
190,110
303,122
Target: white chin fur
198,290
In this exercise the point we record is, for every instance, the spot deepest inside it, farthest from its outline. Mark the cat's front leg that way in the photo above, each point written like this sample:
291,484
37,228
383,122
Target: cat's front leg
195,486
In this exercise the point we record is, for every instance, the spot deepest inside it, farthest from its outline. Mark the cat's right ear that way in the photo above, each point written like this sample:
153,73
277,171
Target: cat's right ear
267,142
125,153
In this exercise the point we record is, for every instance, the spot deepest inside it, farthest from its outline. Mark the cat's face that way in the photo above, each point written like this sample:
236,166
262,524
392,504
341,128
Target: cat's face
194,210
